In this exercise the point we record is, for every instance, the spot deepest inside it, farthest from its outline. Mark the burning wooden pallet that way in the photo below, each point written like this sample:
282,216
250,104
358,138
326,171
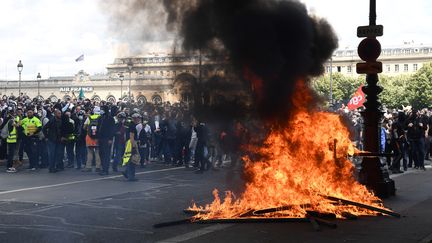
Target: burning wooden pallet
316,218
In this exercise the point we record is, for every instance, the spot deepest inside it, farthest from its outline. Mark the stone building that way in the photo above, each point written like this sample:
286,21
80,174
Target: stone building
405,59
153,78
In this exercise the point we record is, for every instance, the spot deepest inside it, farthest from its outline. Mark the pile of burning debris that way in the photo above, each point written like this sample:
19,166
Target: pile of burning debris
276,215
300,171
303,175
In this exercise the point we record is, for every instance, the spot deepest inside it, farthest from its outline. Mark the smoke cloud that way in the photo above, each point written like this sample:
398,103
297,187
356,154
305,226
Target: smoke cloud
271,43
274,43
138,25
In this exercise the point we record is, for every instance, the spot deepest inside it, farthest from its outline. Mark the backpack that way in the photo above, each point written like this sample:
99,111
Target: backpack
92,130
144,137
4,132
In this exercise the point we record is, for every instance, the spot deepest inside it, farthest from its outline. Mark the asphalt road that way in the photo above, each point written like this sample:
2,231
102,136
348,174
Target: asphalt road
74,206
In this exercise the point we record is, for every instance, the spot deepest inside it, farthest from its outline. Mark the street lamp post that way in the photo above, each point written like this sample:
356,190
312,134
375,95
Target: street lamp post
372,173
20,68
121,77
38,80
130,66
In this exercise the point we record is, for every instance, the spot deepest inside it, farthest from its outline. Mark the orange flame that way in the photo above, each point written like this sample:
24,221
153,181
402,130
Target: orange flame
300,168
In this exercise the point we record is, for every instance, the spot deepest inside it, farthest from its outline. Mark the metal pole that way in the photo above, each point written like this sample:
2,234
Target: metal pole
19,84
130,78
121,89
372,12
331,81
38,77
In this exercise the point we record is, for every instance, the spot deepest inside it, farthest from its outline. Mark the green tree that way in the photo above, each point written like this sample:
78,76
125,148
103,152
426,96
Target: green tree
415,89
343,86
394,94
419,87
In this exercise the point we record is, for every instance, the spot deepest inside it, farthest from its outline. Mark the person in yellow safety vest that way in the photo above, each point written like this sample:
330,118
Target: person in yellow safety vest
11,141
20,145
131,148
31,126
91,126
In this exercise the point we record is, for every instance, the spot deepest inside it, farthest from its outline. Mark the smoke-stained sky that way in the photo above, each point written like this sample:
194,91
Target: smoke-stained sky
48,35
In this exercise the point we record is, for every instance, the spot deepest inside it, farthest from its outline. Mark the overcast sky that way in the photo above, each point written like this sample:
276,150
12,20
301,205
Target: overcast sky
48,35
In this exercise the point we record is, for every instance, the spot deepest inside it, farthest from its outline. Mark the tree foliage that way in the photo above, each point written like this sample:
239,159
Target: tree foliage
415,89
419,88
343,86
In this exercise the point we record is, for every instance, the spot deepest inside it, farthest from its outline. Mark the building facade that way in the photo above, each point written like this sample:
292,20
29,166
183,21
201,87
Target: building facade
154,78
171,78
398,60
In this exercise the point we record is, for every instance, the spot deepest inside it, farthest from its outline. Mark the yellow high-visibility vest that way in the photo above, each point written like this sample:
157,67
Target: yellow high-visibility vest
71,137
12,138
128,153
30,125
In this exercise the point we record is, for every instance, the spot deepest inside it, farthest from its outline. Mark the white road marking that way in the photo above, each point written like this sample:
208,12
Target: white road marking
83,181
196,233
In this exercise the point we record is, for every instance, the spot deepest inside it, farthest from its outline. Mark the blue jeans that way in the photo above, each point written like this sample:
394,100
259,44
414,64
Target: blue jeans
144,151
56,152
43,154
81,154
70,153
10,154
119,149
418,146
30,147
156,145
105,154
168,150
130,171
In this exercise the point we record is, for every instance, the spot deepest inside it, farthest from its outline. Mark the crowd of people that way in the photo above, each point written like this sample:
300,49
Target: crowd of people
99,136
406,136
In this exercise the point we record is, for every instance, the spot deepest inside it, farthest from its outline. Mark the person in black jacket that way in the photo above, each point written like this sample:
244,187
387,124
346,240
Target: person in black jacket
80,146
416,136
106,132
53,135
201,150
168,128
399,144
69,130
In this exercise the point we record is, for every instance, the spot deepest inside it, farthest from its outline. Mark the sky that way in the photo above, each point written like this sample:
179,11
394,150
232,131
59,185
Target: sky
49,35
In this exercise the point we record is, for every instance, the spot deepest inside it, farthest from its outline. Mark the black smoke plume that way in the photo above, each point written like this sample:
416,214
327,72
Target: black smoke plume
277,41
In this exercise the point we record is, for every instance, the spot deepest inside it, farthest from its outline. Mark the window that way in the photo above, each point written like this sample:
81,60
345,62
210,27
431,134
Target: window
405,67
339,69
415,67
156,99
388,68
327,69
349,69
397,68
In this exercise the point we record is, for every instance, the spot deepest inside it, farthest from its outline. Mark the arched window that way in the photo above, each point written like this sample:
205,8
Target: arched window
40,98
96,98
53,98
141,100
111,99
156,99
67,97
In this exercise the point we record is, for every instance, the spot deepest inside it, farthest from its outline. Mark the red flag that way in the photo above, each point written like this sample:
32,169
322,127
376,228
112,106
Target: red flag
357,100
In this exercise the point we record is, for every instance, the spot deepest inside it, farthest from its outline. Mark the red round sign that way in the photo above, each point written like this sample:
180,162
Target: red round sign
369,49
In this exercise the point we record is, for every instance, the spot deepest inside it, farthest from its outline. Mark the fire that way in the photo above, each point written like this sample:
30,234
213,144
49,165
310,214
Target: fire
302,164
